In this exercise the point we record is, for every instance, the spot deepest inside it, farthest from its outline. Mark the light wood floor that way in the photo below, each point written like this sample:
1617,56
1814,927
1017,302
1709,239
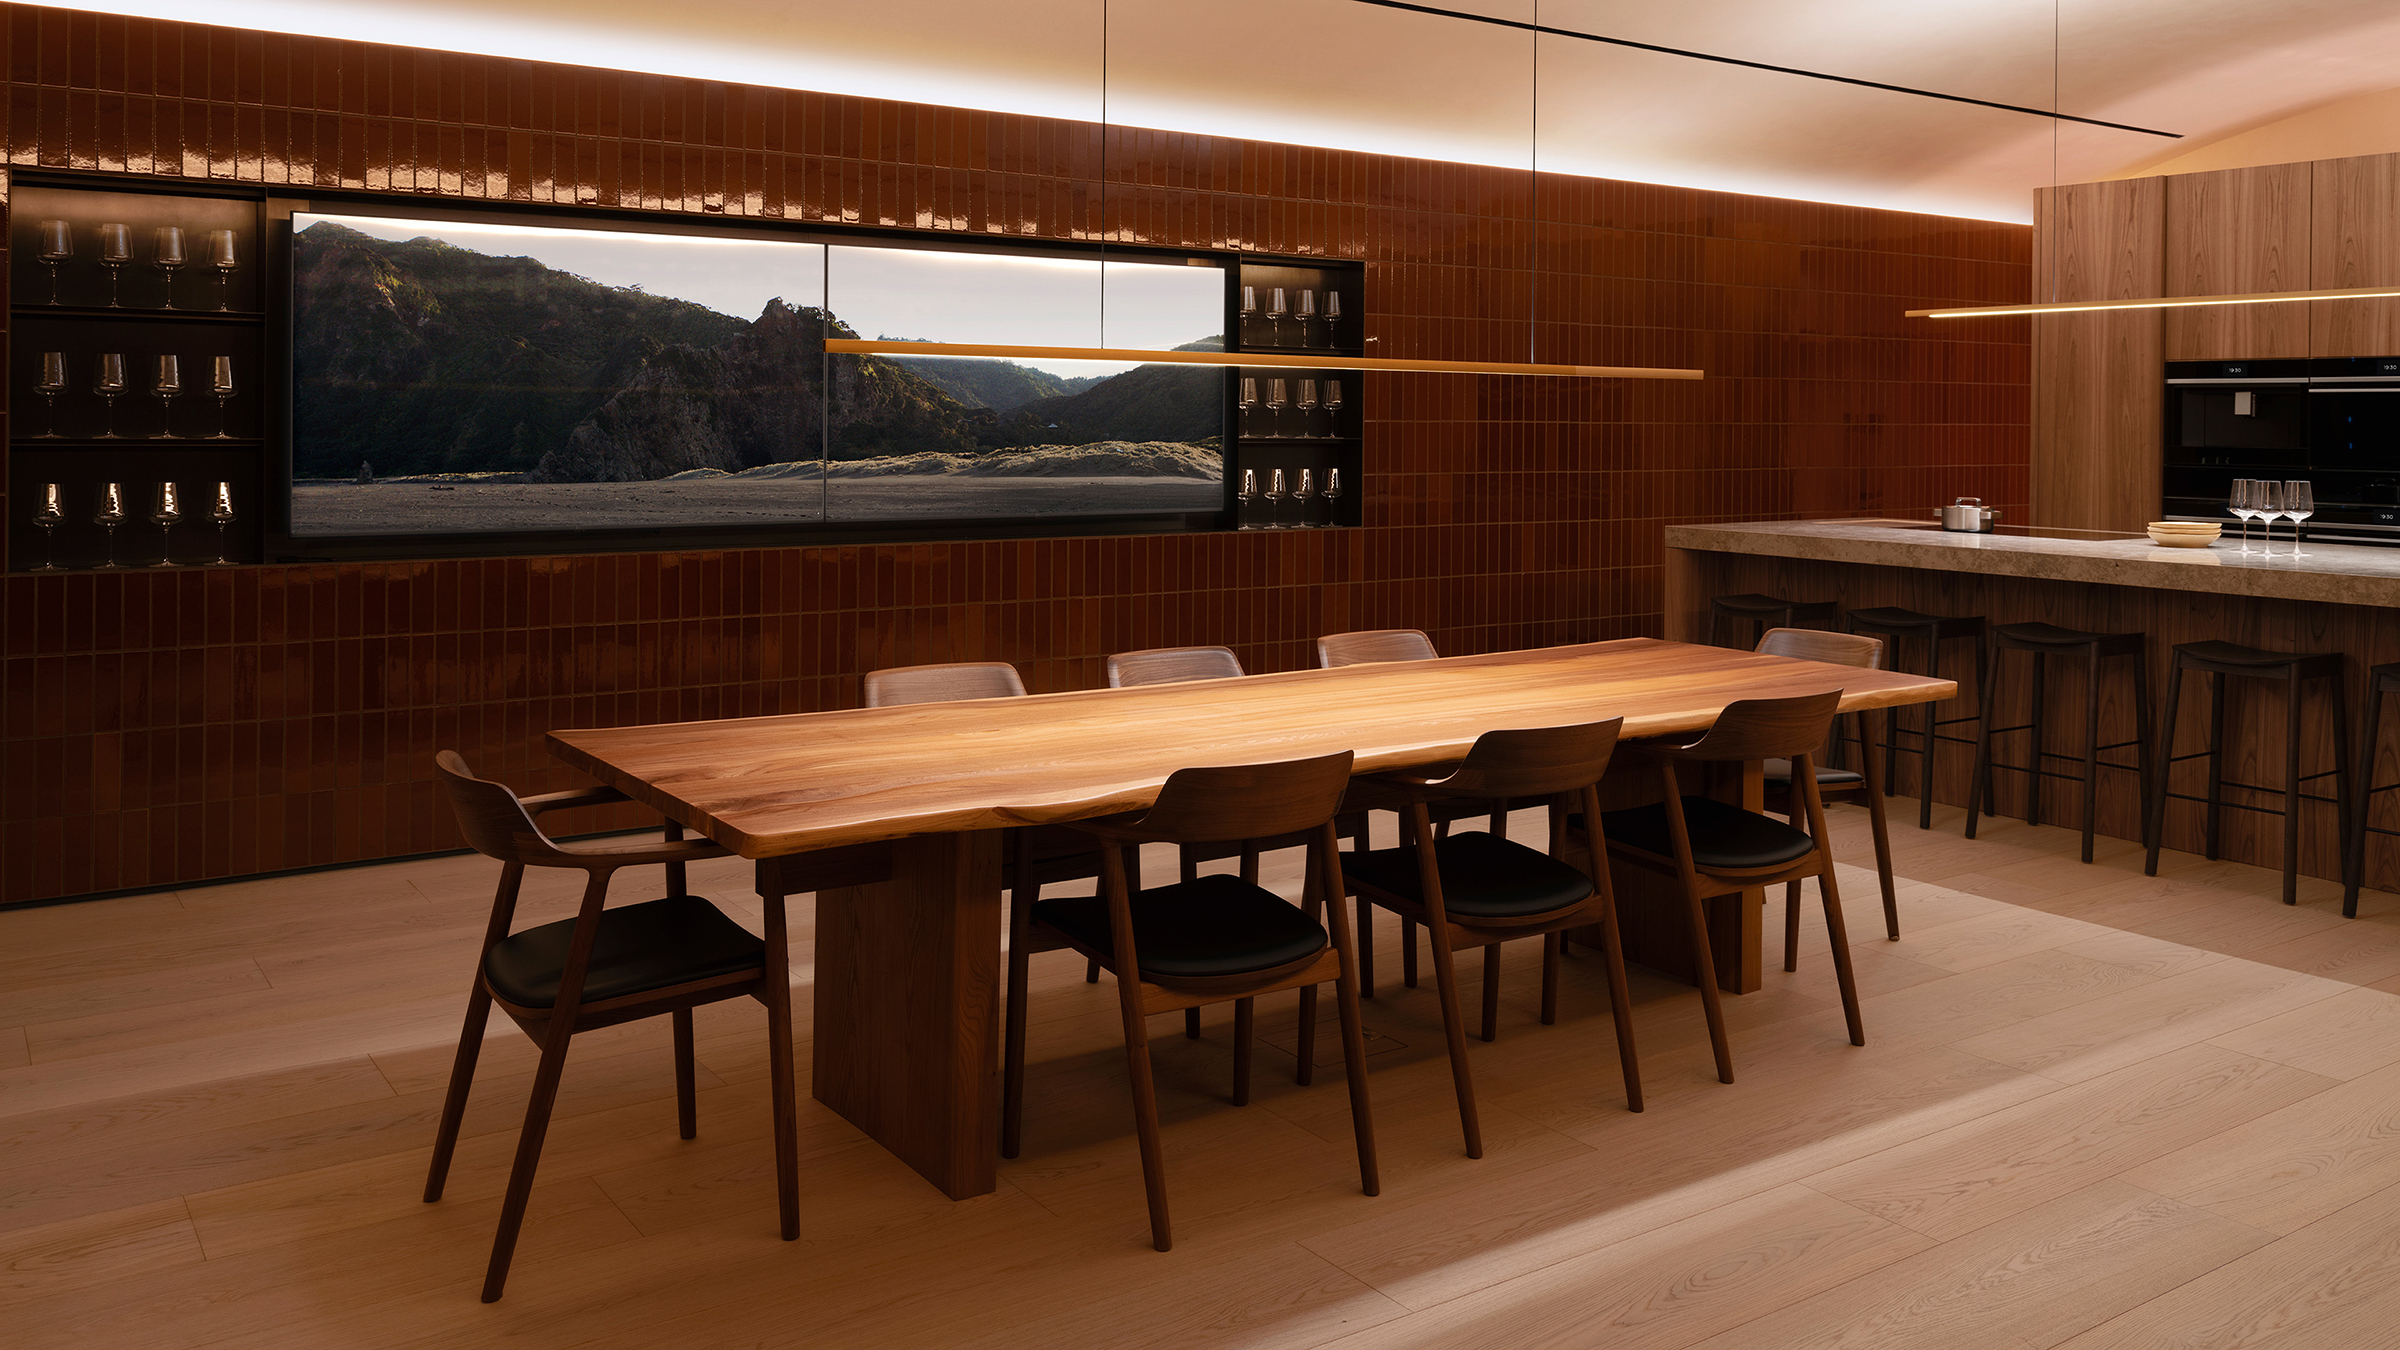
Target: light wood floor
2095,1109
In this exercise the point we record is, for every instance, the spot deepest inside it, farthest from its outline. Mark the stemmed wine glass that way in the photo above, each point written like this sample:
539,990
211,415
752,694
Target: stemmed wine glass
1275,407
170,257
1308,405
1242,497
48,516
51,382
58,245
1301,497
1333,401
2268,502
220,383
1275,496
2299,503
2238,502
1306,312
164,515
221,257
108,383
168,384
1332,492
1333,317
110,515
222,513
116,250
1275,313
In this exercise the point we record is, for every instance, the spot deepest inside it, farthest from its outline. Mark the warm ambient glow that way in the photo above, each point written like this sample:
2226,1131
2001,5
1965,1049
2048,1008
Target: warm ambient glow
2156,302
862,347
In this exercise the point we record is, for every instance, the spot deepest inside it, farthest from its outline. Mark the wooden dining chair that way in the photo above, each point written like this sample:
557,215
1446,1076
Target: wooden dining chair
600,968
1863,784
1712,848
1481,890
1211,940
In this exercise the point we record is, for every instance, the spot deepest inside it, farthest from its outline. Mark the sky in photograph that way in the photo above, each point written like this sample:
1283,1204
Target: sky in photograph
881,292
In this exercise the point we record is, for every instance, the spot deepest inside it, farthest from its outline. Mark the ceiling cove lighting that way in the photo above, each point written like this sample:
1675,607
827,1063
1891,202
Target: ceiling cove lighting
886,347
2154,302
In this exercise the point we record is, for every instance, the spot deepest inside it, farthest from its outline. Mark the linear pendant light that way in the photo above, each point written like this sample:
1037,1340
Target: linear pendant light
2155,302
887,347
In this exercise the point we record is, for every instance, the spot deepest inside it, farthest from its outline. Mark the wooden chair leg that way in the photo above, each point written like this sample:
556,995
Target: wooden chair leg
1408,952
1354,1041
2291,792
687,1104
1551,942
1840,934
2155,833
1704,966
1366,947
1883,841
1091,972
1791,926
1491,992
782,1077
1242,1011
529,1153
1012,1079
1620,1000
1191,1024
462,1078
1305,1072
1454,1030
1145,1123
1249,864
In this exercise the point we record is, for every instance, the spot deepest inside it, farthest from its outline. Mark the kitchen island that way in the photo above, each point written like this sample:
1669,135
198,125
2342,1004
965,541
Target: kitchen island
2336,598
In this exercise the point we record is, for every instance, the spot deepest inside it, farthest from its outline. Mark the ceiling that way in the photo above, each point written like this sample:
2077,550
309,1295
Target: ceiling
1339,73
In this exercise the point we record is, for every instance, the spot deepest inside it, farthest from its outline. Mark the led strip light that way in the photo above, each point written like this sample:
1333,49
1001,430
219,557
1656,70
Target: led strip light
864,347
2156,302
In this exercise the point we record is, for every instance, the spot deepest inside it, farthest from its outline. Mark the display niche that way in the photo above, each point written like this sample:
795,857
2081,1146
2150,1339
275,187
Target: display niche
1297,446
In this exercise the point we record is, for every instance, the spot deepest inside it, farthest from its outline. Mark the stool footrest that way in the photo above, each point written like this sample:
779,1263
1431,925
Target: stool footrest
2245,806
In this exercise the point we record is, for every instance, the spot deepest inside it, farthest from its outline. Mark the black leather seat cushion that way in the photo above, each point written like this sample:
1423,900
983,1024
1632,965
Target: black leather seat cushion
1217,925
2235,654
1483,877
1722,835
1892,616
2047,635
1780,771
1755,603
653,945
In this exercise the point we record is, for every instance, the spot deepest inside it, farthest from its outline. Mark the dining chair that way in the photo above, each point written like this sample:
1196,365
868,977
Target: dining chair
1172,665
1210,940
1383,644
1480,890
1864,784
600,968
1712,848
946,682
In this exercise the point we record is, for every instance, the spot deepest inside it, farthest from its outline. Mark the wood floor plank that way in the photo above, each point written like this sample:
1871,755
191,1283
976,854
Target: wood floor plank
2352,1033
52,1139
34,1003
2289,1168
2154,957
96,1249
13,1048
2007,1161
2110,1033
1992,938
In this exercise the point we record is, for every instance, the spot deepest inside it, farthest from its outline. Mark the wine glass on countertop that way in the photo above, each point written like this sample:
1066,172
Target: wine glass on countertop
170,257
51,382
2299,503
222,514
108,517
2269,505
166,386
108,382
220,383
164,513
57,245
222,257
1275,496
116,250
48,515
2238,502
1332,494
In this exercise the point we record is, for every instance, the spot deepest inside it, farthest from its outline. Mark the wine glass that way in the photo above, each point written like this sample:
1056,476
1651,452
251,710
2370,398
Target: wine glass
222,513
1275,407
1308,406
1331,494
1242,497
2238,503
1275,496
1333,402
1304,494
1333,317
2271,509
168,384
1305,311
116,250
1275,313
1246,400
108,517
48,516
1249,311
2299,503
164,514
58,245
108,383
220,383
170,257
221,256
51,382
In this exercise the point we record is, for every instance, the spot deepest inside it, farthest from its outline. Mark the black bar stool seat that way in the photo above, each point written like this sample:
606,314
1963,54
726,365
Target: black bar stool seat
2381,680
1893,623
2292,670
1763,612
2043,641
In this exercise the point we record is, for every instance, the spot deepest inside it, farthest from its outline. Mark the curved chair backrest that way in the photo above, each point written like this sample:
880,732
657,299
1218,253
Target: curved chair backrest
945,683
1172,665
495,823
1836,649
1382,644
1247,801
1766,728
1535,761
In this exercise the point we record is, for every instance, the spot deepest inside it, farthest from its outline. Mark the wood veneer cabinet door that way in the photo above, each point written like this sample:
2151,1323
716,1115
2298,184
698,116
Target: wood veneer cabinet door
2238,232
2355,242
2096,413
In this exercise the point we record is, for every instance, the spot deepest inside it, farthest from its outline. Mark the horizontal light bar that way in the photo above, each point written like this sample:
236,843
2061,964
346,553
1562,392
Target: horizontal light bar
2156,302
884,347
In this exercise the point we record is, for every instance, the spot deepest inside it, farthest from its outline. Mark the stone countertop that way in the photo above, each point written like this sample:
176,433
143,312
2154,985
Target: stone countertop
2340,574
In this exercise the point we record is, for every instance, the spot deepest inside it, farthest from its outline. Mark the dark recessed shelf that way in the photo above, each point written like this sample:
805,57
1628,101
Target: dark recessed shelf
1252,349
25,443
132,312
1268,442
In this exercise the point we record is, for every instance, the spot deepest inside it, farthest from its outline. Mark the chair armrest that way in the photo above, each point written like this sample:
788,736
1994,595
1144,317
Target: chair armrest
1114,829
644,852
554,801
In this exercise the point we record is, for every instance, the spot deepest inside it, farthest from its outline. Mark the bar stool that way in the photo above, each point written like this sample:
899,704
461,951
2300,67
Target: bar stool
2043,641
1892,623
2227,660
2381,680
1763,612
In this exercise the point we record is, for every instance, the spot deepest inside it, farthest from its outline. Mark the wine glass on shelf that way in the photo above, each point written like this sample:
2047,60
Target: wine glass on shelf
108,383
2299,503
51,382
1305,310
1308,407
1275,495
222,257
222,514
1333,317
108,517
1275,313
1275,407
58,245
48,515
116,250
170,257
1332,494
1249,311
1303,495
2269,504
2237,502
167,510
1333,407
168,384
1242,497
220,383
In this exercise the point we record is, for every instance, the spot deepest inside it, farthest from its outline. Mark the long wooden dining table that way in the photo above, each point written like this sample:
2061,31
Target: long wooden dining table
893,817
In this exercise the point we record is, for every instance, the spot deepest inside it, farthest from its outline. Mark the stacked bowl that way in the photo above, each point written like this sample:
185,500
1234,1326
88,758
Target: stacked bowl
2184,533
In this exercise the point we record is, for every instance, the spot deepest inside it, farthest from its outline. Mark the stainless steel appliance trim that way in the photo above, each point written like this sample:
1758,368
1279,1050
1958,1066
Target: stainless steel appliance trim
2275,379
2385,389
2350,379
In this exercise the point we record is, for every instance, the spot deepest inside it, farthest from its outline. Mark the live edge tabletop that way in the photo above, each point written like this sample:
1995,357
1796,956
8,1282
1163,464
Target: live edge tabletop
907,968
768,786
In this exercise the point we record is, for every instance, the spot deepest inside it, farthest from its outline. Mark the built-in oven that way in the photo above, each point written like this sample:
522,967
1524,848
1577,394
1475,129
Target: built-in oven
2332,421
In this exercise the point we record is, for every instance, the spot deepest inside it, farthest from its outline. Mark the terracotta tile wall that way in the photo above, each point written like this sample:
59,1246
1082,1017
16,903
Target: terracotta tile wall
174,728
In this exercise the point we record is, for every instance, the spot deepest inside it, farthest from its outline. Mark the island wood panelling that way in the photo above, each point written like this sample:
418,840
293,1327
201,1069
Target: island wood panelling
178,727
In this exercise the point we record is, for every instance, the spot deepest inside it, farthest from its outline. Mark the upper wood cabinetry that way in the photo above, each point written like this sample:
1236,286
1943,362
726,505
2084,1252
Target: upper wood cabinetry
2095,439
2236,232
2355,241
